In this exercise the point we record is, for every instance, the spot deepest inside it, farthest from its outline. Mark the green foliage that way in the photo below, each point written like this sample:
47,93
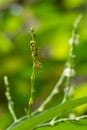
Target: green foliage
58,113
53,24
48,114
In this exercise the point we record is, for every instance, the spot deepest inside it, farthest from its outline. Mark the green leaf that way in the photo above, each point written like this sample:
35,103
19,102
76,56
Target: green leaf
81,91
30,123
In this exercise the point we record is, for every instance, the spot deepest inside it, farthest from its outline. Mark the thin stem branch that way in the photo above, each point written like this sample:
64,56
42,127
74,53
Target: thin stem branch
49,98
71,62
56,122
9,99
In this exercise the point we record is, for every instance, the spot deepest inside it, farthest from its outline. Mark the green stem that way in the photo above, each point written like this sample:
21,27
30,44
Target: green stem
71,60
32,89
55,122
49,98
9,99
31,100
69,77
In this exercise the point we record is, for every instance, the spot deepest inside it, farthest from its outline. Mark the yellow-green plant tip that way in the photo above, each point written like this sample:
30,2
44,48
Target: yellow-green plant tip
32,29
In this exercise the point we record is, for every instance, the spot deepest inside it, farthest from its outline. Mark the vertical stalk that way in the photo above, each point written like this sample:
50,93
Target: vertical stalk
69,70
32,88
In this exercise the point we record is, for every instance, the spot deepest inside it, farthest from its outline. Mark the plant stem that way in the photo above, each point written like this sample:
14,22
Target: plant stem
71,61
55,122
31,100
49,98
9,99
32,89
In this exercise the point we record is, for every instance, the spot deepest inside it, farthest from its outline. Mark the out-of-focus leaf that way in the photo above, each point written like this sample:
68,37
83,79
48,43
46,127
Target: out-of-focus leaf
5,118
12,64
72,3
2,2
5,44
13,24
81,91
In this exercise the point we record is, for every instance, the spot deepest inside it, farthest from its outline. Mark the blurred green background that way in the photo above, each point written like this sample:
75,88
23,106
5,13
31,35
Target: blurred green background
53,22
